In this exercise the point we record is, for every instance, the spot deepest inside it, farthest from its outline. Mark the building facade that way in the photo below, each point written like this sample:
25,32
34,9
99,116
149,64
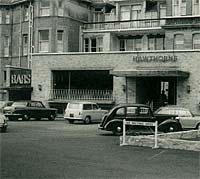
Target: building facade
120,51
35,26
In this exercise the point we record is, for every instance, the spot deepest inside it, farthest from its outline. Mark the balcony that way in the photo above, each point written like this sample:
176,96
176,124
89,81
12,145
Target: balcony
124,25
104,96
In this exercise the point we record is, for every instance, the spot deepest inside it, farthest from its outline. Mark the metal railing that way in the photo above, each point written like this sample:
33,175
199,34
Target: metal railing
130,24
81,94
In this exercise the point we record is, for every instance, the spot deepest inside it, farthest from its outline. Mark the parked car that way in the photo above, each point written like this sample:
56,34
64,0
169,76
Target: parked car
4,104
185,116
113,121
3,122
83,111
29,109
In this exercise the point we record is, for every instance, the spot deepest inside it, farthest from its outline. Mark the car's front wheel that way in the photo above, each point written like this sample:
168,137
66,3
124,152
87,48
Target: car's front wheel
172,128
26,117
51,117
87,120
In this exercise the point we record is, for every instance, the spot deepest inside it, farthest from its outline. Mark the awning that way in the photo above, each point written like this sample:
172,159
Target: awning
150,73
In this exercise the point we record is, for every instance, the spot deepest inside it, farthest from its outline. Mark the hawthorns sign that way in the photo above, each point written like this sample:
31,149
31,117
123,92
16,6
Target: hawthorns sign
155,58
20,77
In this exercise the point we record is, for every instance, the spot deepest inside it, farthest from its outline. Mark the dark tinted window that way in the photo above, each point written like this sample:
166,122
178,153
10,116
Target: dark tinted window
95,107
87,107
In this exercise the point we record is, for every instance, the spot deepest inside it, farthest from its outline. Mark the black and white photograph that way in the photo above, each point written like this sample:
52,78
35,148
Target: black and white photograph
99,89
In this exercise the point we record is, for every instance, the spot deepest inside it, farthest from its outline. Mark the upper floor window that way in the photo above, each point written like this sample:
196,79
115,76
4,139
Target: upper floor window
134,44
7,17
93,44
26,13
195,7
132,12
43,40
155,43
196,41
178,7
179,41
25,44
60,41
44,8
60,8
0,17
6,46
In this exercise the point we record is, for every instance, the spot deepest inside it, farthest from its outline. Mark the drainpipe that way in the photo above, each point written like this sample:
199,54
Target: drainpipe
30,35
126,90
20,36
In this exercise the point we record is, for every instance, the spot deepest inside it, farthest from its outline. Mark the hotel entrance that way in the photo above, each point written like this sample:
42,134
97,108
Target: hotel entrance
156,91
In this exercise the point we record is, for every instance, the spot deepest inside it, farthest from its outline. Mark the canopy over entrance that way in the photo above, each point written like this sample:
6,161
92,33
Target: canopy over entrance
150,72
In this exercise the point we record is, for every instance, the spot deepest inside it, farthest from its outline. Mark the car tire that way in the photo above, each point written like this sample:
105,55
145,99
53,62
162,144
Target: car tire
117,129
198,126
25,117
172,128
3,129
70,121
87,120
51,117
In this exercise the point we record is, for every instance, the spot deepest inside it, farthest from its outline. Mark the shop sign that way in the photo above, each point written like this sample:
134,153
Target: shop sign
155,58
20,77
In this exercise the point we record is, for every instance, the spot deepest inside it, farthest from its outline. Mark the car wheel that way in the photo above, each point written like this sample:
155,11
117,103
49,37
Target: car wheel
198,126
117,129
70,121
87,120
51,117
25,117
172,128
3,129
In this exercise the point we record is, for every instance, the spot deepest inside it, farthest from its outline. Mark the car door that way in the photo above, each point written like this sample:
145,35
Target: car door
97,113
187,120
87,111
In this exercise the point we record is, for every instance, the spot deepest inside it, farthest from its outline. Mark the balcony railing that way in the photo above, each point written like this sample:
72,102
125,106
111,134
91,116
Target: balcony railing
81,94
131,24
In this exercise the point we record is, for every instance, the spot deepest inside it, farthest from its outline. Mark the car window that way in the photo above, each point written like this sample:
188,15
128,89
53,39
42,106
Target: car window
74,106
184,113
95,107
132,111
19,104
39,105
144,111
87,107
120,112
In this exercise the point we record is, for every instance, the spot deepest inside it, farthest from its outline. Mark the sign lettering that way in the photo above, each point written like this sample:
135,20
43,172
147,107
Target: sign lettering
155,58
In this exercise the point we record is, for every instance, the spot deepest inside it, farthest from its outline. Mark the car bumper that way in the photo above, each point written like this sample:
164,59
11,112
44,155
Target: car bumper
72,118
3,124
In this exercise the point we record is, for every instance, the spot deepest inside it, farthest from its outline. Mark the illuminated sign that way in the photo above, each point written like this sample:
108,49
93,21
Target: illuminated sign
155,58
20,77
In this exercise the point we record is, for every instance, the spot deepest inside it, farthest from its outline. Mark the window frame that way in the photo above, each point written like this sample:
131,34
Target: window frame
44,41
194,39
60,43
45,10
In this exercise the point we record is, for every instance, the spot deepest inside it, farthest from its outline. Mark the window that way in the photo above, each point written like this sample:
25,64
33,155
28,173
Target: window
7,17
25,44
196,41
122,45
4,75
95,107
87,107
120,112
132,111
60,41
44,41
60,8
44,8
26,13
0,16
151,5
179,41
138,44
6,46
132,12
134,44
125,13
155,43
93,44
195,7
86,45
179,7
144,111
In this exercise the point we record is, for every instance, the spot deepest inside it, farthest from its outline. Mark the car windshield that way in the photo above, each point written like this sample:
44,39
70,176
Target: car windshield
19,104
74,106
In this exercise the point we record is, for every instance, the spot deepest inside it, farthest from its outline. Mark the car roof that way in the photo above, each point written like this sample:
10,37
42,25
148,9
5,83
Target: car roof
82,102
131,104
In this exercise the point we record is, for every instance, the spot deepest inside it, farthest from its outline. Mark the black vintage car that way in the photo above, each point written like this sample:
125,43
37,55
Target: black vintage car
113,121
26,110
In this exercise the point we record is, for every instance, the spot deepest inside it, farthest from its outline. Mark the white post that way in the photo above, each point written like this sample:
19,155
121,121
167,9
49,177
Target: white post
156,135
124,132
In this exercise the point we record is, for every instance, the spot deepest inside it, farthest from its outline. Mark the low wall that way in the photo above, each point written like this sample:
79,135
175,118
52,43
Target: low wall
184,140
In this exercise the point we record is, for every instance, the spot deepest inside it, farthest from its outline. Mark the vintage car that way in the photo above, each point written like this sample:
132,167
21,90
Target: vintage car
26,110
113,121
3,122
87,112
185,116
4,104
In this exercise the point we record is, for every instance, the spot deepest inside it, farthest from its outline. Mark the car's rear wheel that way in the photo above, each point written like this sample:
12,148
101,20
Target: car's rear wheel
87,120
51,117
70,121
4,129
198,126
172,128
117,129
26,117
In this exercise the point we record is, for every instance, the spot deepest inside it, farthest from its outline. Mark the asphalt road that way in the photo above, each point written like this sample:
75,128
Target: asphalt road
58,150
